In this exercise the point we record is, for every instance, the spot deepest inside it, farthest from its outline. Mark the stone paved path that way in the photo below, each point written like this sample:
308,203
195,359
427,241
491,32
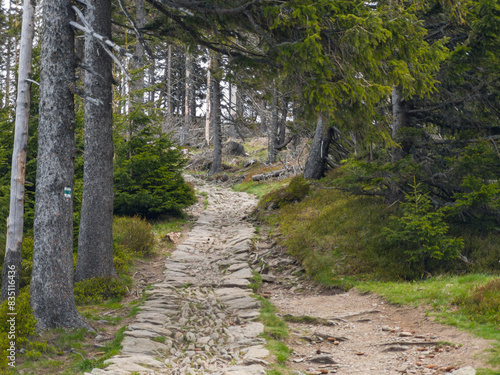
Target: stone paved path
201,319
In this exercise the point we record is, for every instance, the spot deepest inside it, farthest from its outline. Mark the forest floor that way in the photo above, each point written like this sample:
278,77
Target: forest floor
330,331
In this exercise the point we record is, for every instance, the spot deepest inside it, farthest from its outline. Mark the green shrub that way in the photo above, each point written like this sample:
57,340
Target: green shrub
421,233
483,303
99,289
148,176
25,324
134,234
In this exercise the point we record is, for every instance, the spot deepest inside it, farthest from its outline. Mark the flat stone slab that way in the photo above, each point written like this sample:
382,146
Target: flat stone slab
237,266
256,352
243,303
138,333
183,256
150,327
153,317
245,273
132,345
121,360
245,370
235,283
249,330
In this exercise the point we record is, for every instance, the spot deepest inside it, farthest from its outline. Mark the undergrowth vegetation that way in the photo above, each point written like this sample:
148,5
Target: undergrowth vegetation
134,238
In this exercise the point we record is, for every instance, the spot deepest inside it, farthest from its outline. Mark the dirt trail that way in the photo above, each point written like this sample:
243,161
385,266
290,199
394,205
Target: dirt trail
200,317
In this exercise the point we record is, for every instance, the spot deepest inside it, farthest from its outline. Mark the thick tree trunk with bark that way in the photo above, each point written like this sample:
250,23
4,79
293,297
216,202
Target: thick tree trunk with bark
315,164
52,296
15,222
216,119
95,242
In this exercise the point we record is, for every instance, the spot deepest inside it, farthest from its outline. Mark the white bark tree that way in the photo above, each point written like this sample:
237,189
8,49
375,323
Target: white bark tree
15,222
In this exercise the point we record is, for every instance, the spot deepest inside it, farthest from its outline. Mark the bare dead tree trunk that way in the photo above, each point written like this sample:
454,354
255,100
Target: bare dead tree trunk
95,242
138,60
52,296
187,97
216,118
208,102
170,104
399,120
15,223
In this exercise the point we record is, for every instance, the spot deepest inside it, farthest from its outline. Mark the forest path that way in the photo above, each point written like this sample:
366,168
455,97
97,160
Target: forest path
201,318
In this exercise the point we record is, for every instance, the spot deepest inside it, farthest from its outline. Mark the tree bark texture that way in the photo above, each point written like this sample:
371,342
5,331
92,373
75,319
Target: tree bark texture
95,241
52,296
315,164
399,119
184,131
15,223
272,135
216,119
138,60
209,100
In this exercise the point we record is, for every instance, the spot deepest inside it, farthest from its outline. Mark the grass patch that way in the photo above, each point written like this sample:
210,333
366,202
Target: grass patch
259,188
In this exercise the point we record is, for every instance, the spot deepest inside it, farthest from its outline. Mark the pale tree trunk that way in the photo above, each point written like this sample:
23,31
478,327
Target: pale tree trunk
216,119
15,222
52,296
272,130
138,59
170,102
399,119
7,75
187,98
315,164
95,241
208,111
282,126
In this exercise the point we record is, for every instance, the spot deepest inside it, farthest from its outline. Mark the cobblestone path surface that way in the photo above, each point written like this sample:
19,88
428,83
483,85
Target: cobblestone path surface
201,319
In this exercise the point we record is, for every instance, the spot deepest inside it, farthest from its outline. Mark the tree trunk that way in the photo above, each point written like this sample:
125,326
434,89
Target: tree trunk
216,119
15,222
187,96
399,116
282,125
95,242
272,134
138,62
208,111
315,164
52,296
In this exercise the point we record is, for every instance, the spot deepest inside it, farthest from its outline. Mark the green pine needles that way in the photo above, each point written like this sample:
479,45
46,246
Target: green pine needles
148,176
422,234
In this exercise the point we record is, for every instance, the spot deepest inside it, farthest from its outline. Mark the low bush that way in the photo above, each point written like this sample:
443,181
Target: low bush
24,326
135,235
99,289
